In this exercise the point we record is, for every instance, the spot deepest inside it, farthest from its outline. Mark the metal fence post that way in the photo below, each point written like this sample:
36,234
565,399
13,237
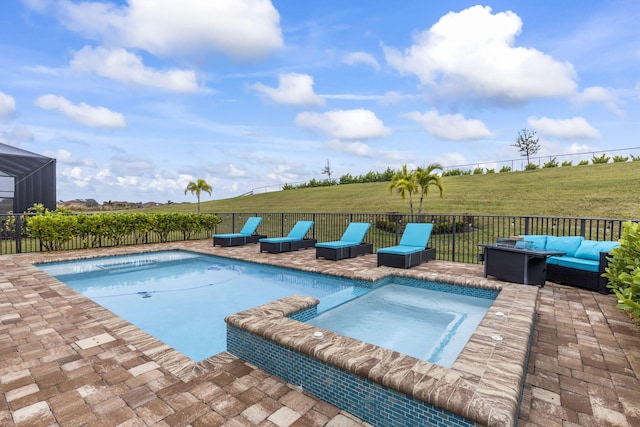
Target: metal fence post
453,238
18,234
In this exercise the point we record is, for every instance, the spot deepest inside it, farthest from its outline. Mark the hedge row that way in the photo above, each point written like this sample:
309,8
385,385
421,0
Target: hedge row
54,229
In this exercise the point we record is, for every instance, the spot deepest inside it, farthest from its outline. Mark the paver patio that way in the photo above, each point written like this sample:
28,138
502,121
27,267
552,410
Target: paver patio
65,361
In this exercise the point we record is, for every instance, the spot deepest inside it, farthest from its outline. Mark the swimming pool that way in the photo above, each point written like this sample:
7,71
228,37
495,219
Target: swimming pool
484,385
182,298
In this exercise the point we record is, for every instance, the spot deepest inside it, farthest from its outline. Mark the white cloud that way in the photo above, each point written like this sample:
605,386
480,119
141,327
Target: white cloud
236,171
362,58
63,156
82,113
243,29
76,176
293,89
127,181
574,128
351,147
161,184
7,105
344,124
453,127
18,134
472,53
103,175
129,165
602,95
120,65
40,6
283,174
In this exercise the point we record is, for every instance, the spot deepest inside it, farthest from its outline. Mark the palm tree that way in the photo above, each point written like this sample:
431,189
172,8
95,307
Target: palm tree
416,182
198,187
405,184
425,178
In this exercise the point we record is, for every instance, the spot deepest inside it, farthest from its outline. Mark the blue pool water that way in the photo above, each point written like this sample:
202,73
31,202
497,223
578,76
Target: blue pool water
427,324
182,298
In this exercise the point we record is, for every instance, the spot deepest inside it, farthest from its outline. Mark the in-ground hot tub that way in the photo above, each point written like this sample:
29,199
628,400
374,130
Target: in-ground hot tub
385,387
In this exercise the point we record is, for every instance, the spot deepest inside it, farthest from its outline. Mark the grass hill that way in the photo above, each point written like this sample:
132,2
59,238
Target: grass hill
609,190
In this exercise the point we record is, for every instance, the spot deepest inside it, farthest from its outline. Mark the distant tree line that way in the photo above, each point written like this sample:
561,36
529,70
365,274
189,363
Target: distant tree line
552,163
370,176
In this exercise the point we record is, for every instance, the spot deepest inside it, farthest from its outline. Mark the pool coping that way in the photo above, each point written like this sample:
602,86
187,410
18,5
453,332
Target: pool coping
483,385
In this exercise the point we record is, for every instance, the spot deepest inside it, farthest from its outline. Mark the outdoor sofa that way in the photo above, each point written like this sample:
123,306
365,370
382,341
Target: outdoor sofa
293,241
411,250
246,235
350,244
582,264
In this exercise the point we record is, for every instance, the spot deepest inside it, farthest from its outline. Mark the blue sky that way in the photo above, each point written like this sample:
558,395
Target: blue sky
137,98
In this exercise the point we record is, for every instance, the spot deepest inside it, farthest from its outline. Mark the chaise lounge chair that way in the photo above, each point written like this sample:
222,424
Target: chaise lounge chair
350,244
292,242
412,249
246,235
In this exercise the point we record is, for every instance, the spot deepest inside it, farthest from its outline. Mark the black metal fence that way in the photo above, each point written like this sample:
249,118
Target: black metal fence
455,237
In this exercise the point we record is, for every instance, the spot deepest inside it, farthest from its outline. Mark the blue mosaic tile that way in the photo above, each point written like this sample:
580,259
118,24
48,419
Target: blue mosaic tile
370,401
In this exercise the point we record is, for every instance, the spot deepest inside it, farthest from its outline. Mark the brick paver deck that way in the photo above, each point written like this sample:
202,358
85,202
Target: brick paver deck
63,361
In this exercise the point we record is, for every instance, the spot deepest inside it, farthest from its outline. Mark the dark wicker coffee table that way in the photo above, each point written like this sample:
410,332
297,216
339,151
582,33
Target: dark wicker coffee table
517,265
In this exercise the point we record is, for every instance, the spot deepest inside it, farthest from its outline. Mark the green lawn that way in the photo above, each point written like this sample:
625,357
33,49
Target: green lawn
595,191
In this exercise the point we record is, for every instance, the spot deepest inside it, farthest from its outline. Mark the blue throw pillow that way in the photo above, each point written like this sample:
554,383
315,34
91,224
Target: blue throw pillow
590,249
567,244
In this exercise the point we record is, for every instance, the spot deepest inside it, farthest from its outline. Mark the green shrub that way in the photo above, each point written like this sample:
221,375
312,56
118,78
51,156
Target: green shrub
56,228
452,172
53,229
597,160
583,162
491,170
620,159
531,166
478,171
634,158
623,270
566,163
505,169
551,164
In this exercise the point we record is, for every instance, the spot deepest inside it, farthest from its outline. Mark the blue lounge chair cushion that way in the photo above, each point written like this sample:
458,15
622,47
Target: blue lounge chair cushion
251,225
414,239
278,239
300,230
248,229
352,236
297,233
416,235
401,250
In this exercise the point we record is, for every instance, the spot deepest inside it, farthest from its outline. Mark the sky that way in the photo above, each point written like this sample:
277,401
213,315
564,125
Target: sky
137,98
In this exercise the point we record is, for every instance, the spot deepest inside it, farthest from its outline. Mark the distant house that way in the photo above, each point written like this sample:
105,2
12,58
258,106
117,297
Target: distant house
25,179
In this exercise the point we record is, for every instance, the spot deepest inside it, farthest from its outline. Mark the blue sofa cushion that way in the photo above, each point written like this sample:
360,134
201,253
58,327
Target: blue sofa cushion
567,244
590,249
579,263
553,260
532,241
